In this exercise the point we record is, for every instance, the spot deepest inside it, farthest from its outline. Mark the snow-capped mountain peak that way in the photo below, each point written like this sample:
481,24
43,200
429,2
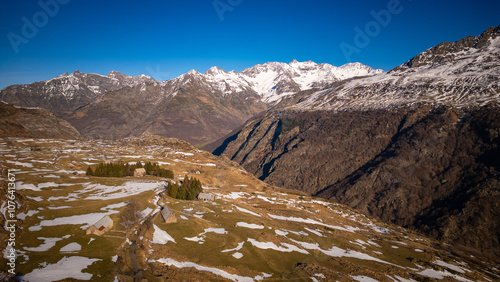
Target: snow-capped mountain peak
271,81
193,72
215,71
114,73
275,80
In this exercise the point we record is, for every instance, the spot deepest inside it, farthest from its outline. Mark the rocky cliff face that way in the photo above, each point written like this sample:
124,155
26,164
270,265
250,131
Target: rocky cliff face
36,123
418,146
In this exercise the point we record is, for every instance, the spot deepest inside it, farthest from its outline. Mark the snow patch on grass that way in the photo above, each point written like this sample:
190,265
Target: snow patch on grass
362,278
66,268
22,216
312,221
315,231
437,274
71,247
201,237
38,199
161,236
239,247
249,225
216,271
450,266
84,219
247,211
237,255
286,248
338,252
46,245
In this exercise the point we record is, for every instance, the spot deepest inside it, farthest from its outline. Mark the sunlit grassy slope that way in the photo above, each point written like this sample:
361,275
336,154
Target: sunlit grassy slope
252,231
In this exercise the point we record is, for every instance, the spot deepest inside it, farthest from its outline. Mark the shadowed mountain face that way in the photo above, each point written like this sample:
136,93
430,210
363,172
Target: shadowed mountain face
433,170
418,146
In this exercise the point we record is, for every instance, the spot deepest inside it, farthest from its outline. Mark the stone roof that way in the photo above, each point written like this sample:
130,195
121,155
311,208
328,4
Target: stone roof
103,222
165,213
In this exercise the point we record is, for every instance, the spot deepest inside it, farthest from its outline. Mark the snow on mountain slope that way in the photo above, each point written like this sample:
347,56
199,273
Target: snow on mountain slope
274,80
461,76
67,84
68,92
271,81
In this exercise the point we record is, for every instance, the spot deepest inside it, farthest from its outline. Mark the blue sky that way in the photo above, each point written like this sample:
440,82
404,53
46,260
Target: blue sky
165,39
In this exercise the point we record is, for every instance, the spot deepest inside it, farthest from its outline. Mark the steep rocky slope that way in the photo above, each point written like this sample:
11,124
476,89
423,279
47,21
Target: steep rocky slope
39,123
417,146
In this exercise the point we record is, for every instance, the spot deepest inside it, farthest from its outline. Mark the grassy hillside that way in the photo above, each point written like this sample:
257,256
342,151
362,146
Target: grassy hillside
251,232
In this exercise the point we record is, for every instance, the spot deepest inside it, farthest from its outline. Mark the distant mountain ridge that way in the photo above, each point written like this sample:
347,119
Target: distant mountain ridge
199,108
67,92
273,81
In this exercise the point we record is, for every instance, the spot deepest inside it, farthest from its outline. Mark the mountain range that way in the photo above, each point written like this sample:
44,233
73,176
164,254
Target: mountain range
199,108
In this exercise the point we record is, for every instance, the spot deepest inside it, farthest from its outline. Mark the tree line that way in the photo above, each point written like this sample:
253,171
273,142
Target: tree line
126,169
189,189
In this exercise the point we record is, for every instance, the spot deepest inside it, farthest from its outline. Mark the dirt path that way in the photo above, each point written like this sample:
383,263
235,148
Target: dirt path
135,263
113,236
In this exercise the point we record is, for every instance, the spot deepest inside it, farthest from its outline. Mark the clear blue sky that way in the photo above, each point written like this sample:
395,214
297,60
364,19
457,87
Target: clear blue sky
165,38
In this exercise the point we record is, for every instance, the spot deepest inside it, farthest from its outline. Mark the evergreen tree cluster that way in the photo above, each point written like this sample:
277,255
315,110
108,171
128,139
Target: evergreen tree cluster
125,169
189,189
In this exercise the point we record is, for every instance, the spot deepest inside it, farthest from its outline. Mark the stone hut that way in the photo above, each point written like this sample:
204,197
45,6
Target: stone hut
100,227
168,215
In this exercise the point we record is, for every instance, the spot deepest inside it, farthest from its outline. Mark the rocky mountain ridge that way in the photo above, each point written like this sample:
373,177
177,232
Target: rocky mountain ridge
184,108
274,80
199,108
68,92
